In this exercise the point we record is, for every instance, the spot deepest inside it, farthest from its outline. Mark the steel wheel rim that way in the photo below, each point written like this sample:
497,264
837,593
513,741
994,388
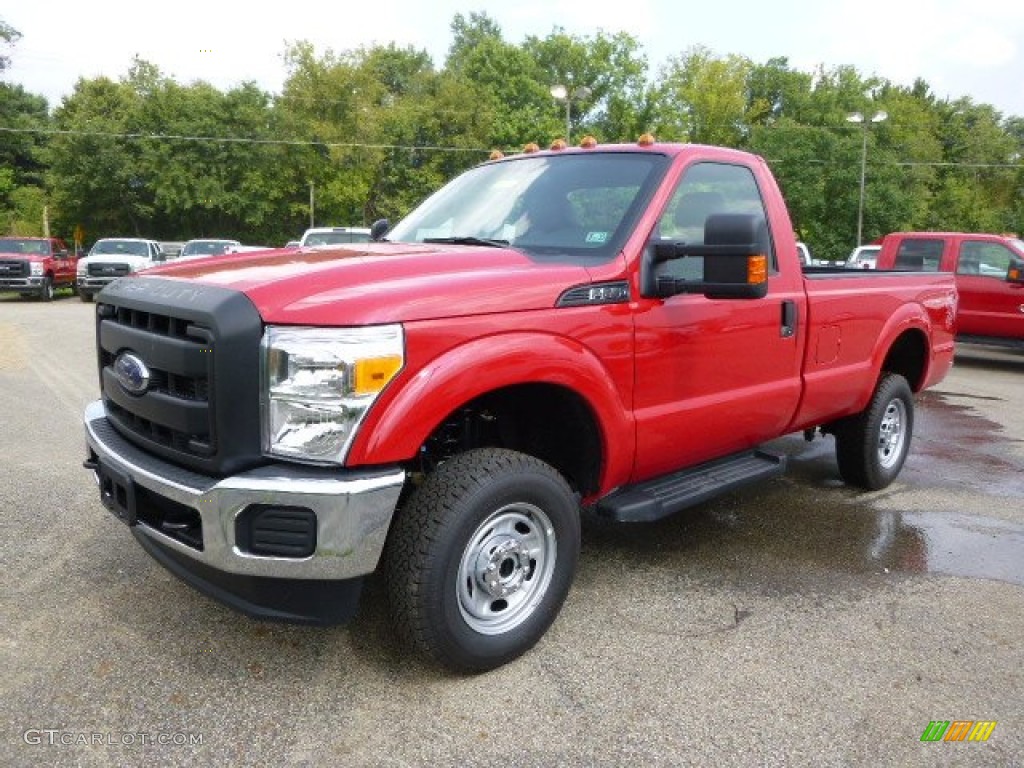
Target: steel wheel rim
506,568
892,434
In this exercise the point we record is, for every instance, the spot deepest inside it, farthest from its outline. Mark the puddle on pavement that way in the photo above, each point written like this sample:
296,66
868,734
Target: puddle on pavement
954,446
809,531
786,536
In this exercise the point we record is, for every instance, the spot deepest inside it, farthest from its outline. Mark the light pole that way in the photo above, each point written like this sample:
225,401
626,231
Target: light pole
857,117
561,93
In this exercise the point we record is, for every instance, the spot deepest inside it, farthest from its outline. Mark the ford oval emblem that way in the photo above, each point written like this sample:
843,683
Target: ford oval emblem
131,373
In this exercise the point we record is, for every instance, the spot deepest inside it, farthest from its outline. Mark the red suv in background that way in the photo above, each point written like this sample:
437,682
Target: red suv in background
989,279
36,266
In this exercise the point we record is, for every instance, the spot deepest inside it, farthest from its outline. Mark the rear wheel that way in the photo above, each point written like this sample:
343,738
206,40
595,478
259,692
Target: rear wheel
481,558
872,446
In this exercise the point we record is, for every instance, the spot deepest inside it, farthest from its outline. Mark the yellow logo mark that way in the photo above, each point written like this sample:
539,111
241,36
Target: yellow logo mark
982,730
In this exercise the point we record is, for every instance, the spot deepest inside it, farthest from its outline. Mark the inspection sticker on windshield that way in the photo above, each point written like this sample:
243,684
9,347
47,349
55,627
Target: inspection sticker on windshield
597,237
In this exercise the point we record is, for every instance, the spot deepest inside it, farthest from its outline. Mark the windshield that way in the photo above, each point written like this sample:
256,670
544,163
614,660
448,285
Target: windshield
206,247
583,203
23,245
120,248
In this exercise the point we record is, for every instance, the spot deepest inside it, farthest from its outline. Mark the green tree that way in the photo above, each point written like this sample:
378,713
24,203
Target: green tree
608,69
702,98
93,175
24,119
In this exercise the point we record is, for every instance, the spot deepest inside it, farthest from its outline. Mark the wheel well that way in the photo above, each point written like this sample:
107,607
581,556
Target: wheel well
907,357
549,422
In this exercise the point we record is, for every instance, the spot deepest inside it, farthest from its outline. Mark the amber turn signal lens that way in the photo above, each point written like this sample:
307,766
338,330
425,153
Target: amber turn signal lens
757,269
372,374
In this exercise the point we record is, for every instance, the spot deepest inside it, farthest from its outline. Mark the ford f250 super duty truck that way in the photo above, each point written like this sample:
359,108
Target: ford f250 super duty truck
36,266
989,273
609,329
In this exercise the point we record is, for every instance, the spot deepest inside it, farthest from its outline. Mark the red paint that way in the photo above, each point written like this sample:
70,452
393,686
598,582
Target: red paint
991,306
672,382
57,261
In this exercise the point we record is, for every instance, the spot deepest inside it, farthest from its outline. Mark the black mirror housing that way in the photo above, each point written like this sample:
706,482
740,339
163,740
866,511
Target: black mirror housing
736,250
379,228
1015,274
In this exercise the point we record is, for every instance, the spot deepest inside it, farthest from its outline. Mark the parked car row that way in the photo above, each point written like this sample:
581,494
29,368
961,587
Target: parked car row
38,266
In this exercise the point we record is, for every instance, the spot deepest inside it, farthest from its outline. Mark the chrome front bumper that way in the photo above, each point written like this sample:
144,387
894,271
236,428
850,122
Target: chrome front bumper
353,509
94,284
22,283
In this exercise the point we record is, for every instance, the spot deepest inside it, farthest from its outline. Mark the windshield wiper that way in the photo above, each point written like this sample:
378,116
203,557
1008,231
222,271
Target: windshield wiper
467,240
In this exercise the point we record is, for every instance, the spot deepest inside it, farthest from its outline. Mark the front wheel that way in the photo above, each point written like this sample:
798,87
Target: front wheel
872,446
46,289
481,558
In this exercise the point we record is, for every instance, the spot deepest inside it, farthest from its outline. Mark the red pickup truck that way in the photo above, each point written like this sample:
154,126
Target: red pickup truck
612,329
989,279
36,266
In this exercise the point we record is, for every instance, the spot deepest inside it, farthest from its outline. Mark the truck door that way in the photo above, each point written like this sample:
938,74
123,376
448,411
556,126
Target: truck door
989,304
714,376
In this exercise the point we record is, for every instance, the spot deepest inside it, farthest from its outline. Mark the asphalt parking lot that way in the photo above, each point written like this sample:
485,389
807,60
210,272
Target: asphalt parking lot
795,623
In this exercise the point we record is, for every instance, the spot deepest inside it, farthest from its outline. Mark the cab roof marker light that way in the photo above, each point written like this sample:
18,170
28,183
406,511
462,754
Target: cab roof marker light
588,142
530,148
646,140
558,144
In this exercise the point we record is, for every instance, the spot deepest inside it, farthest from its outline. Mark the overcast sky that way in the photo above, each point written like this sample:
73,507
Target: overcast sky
960,48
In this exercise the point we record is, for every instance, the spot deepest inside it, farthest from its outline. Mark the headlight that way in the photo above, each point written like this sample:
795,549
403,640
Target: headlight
35,268
81,270
318,383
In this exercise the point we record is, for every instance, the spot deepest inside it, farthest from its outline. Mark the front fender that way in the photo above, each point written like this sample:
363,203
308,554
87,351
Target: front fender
400,422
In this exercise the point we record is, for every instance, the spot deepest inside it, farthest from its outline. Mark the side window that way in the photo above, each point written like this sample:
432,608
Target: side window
704,190
919,255
984,259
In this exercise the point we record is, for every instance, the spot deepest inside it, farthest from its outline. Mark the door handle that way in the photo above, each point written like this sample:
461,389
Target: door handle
789,318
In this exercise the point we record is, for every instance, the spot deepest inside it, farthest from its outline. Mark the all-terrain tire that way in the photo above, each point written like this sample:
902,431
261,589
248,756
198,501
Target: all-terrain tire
46,290
481,557
872,446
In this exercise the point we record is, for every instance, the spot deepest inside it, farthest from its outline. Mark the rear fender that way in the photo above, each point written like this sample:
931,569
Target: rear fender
932,321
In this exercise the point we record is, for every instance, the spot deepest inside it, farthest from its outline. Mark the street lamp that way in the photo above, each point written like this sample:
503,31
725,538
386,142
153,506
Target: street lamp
561,93
857,117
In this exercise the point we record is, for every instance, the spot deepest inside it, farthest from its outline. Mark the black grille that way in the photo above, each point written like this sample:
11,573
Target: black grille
200,348
103,269
14,268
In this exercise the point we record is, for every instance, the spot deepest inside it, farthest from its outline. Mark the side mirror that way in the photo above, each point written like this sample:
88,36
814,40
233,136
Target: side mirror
378,229
61,253
735,254
1015,274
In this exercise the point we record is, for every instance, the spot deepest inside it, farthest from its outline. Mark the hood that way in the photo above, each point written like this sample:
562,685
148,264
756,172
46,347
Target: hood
7,256
370,283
